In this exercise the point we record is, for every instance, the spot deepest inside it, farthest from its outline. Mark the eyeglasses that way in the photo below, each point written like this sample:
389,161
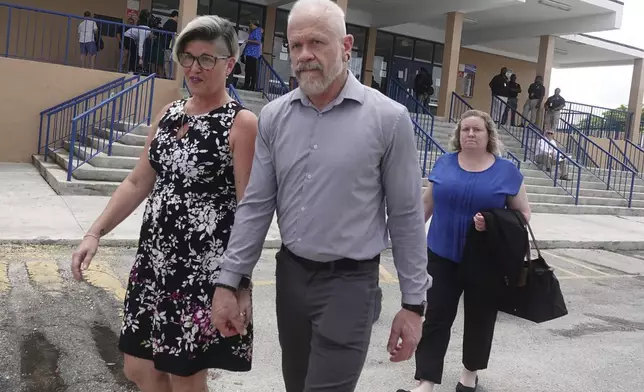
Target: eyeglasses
205,61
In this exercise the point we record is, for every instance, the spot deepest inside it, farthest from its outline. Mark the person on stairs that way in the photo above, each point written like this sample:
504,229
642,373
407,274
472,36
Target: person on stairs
532,105
548,156
252,53
499,88
553,107
472,179
514,89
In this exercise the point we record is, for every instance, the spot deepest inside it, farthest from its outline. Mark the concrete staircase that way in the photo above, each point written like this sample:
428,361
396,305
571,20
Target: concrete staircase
594,198
104,173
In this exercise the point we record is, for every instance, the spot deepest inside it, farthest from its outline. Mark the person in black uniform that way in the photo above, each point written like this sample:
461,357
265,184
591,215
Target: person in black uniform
536,92
514,89
499,88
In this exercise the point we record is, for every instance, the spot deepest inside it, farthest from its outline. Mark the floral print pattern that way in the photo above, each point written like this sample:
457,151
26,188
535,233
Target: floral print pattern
186,227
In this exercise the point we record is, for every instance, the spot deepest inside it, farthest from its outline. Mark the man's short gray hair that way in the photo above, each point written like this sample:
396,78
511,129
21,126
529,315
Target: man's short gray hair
210,28
327,10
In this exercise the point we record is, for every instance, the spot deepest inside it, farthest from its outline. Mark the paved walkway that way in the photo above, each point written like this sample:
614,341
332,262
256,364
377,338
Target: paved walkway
33,213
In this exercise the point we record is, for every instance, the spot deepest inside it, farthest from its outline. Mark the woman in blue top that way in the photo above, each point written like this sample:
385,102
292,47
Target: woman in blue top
472,179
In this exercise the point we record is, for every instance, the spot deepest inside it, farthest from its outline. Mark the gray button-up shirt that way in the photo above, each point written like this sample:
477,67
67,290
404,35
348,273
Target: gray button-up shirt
329,173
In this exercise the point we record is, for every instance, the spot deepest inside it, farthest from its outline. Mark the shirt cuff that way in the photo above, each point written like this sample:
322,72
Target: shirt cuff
229,278
414,299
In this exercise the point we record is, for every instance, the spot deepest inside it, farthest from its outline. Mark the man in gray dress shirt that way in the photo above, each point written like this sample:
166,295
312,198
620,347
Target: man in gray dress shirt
328,156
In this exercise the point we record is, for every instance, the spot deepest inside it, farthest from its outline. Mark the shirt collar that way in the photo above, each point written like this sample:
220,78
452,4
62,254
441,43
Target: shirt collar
353,90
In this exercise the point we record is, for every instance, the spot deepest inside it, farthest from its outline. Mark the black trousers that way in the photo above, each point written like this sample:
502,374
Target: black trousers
442,304
250,76
325,314
514,104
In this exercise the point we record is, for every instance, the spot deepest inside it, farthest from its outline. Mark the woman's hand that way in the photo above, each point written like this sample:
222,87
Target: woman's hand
479,222
83,255
245,301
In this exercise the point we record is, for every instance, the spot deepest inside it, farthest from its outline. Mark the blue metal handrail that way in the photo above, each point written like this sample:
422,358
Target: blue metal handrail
419,112
269,83
597,121
530,136
234,94
127,109
635,155
428,149
513,158
55,122
615,150
457,107
49,36
606,167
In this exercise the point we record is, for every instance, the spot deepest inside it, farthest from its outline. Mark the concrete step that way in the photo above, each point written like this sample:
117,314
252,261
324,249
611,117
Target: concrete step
548,208
583,192
89,172
56,177
118,149
103,160
130,139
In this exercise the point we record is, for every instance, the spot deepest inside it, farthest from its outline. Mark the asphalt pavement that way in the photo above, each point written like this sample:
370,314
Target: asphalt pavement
57,335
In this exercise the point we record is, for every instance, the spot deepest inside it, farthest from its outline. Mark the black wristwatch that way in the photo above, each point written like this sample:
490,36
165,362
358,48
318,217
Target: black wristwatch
244,284
418,309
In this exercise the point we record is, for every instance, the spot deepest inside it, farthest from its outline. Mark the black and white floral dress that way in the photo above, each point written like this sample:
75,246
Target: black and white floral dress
186,226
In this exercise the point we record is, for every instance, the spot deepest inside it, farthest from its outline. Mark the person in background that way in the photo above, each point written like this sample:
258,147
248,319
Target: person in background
86,37
532,105
553,107
252,52
167,40
134,40
423,86
499,88
547,155
123,56
336,207
514,89
193,171
471,179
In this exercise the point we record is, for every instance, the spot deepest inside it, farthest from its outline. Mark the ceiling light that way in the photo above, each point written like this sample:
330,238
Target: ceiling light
470,20
555,4
561,51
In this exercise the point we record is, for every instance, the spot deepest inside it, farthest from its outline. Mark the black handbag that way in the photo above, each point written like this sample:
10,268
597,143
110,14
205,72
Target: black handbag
540,299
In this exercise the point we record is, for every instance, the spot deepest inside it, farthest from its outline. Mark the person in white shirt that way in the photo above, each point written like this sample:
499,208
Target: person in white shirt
134,42
547,155
87,40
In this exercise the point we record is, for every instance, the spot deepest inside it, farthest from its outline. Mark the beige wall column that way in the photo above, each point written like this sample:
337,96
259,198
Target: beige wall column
635,100
372,35
343,4
269,33
187,12
544,68
453,32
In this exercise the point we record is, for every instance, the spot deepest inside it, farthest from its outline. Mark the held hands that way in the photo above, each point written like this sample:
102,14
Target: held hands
230,313
406,331
479,222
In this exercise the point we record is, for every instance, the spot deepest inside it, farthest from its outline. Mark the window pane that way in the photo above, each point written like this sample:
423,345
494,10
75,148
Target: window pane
436,76
382,60
281,22
226,9
357,53
404,47
203,7
423,51
250,12
438,53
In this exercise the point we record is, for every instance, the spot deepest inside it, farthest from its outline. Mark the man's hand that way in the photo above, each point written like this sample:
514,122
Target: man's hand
226,316
406,331
479,222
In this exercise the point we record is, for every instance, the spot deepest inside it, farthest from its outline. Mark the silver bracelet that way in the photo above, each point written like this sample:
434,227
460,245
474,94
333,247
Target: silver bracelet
98,238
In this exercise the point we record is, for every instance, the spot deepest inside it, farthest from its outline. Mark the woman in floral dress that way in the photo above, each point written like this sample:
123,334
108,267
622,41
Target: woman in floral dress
195,168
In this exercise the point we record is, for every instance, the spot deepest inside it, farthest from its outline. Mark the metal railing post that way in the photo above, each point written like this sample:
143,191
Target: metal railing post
8,41
72,141
151,81
69,28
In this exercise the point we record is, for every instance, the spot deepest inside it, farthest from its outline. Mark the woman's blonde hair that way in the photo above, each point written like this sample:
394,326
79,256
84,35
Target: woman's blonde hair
494,144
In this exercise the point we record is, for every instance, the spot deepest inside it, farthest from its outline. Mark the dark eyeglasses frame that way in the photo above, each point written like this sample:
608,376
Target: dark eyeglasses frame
198,59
